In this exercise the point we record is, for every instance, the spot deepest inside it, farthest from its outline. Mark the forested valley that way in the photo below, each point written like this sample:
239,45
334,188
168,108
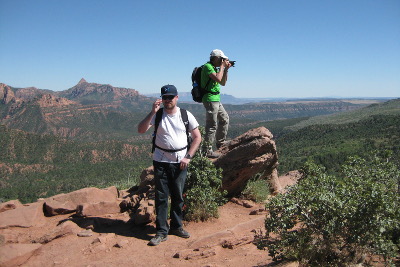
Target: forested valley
39,165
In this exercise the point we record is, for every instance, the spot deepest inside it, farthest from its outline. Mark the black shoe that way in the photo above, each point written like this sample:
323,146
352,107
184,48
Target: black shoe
157,240
179,232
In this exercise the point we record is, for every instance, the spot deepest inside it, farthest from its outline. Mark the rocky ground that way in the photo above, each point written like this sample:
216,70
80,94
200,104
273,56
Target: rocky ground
29,238
113,240
226,241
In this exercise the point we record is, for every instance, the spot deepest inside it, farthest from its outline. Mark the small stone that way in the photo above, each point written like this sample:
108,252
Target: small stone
122,243
85,233
104,238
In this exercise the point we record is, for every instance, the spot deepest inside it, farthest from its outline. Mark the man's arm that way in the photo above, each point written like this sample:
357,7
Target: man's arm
222,76
196,136
144,125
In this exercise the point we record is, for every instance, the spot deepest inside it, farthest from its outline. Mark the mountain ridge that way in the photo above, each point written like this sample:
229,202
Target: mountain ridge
88,111
68,115
391,107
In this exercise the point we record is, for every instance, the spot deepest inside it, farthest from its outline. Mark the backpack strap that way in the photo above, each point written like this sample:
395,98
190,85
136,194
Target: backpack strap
157,121
185,120
209,79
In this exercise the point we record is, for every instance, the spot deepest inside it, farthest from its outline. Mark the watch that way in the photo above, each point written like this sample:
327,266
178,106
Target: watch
188,156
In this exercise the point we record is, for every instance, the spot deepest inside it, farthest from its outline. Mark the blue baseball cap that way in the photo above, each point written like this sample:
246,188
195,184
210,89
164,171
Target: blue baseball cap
169,90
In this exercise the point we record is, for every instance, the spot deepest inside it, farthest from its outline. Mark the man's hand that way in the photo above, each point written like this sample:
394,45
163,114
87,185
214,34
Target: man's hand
156,105
226,63
144,125
184,163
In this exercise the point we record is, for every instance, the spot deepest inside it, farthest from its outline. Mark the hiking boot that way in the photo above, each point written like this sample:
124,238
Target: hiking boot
213,155
179,232
224,143
157,240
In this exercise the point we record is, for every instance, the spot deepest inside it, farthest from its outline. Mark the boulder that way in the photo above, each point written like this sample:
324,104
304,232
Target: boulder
251,153
146,177
67,203
99,208
113,190
26,216
145,213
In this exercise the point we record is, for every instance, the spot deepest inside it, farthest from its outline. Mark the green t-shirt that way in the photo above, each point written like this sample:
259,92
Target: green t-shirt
212,86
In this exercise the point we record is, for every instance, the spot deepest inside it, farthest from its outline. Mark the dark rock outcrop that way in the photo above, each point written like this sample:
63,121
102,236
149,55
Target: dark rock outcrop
254,152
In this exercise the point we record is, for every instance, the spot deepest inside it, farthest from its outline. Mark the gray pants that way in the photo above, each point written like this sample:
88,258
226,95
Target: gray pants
217,123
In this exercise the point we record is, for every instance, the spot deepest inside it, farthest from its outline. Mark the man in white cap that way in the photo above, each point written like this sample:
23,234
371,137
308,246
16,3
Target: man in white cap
213,75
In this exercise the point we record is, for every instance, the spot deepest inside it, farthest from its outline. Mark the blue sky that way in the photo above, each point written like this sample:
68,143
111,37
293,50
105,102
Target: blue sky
318,48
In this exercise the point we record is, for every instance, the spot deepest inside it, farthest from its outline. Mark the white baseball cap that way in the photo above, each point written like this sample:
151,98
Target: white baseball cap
218,53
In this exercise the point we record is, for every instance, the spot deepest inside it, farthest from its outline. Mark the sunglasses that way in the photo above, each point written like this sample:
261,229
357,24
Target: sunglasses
168,97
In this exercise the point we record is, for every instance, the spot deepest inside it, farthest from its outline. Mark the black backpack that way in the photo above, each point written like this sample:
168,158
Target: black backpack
185,120
197,91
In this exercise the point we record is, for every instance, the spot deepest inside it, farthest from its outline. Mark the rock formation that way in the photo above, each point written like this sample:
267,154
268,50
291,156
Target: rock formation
6,94
48,100
254,152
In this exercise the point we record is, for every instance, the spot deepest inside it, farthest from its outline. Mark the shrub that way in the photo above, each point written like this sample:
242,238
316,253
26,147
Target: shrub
332,221
256,189
203,192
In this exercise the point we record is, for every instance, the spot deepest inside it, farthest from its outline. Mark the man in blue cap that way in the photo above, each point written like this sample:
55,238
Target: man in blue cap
171,157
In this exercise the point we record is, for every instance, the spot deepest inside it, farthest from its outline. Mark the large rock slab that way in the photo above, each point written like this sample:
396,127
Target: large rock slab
251,153
25,216
99,208
65,228
17,254
10,205
67,203
239,230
